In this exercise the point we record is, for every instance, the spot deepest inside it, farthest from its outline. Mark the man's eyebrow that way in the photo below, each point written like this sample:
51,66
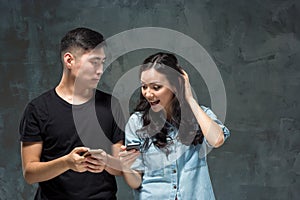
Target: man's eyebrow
97,58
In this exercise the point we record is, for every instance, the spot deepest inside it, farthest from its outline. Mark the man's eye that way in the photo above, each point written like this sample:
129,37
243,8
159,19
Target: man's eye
94,63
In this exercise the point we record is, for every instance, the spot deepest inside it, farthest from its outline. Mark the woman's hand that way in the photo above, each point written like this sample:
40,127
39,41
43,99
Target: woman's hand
187,87
132,177
127,158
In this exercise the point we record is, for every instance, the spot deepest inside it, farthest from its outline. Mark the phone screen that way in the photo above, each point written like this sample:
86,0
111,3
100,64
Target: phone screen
135,146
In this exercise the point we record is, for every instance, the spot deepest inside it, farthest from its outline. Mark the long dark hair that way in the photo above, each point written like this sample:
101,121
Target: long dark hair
181,117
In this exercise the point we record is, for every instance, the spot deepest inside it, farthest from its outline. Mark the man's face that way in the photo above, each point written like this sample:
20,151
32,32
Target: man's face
89,68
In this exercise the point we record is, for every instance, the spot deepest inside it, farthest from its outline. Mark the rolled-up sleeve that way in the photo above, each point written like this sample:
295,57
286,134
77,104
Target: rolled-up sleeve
212,115
134,123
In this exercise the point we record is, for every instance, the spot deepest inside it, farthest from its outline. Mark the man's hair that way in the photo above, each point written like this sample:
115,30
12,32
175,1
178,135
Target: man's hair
83,38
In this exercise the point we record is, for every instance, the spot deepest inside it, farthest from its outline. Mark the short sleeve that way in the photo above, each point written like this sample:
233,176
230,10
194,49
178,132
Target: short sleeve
30,127
119,123
210,113
134,123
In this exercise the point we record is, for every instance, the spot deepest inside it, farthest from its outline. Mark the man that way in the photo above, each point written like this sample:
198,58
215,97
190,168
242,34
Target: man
59,125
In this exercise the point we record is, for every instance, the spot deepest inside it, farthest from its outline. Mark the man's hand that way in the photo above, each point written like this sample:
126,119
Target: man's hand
75,161
96,162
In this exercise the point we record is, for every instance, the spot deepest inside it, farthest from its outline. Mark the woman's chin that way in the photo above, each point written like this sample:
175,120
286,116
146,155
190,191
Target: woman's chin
156,108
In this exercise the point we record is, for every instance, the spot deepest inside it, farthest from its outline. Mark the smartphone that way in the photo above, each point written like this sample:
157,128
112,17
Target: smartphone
135,145
92,151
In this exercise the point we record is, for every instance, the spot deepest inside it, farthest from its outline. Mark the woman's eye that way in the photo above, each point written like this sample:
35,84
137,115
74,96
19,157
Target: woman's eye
156,87
144,87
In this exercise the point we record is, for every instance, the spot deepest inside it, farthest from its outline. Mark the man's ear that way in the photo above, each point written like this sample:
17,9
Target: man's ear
68,60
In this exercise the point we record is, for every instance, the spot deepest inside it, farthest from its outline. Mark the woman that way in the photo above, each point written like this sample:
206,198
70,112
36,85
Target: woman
174,133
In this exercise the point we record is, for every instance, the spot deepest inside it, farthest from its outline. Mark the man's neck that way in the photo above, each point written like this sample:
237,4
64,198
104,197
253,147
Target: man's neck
72,94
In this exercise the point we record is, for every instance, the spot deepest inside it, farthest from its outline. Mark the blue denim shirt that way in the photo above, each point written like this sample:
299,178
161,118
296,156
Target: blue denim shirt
183,172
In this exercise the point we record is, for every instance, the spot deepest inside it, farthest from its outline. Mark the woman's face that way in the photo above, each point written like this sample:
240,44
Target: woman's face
157,90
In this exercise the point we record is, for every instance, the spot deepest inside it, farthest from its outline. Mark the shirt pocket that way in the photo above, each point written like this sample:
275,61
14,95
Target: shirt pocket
154,160
192,160
155,173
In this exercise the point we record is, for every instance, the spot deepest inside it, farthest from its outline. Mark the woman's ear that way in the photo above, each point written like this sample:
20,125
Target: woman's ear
174,89
68,60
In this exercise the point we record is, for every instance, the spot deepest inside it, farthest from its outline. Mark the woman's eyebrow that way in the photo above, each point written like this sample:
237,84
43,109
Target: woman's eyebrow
154,82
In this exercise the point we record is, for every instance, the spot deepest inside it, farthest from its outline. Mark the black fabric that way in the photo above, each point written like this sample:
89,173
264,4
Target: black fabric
50,119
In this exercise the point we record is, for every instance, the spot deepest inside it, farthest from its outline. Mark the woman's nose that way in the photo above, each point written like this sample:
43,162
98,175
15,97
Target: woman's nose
149,94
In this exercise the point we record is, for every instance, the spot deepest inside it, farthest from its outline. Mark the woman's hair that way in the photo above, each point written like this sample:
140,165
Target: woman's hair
181,117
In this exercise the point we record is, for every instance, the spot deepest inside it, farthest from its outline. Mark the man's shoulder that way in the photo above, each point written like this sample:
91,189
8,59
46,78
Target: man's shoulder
39,104
42,98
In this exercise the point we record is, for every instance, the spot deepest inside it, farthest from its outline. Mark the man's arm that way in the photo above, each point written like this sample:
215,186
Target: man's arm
36,171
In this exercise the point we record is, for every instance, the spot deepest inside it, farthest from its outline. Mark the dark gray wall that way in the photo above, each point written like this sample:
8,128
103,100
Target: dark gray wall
255,45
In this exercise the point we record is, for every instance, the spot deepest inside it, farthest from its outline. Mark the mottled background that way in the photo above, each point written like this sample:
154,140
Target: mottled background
255,45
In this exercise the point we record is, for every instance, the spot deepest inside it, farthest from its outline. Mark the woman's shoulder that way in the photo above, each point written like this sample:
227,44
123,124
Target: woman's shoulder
135,119
136,116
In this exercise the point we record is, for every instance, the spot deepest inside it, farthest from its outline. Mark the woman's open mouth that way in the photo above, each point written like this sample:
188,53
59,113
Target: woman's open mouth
153,103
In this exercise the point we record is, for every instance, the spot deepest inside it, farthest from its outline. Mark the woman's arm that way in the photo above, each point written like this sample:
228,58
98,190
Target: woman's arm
132,177
211,130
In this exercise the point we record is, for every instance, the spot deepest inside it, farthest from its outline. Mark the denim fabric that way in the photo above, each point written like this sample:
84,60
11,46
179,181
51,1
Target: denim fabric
183,172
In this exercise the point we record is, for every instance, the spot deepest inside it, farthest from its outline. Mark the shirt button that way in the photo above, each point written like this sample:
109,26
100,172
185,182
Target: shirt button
174,186
174,170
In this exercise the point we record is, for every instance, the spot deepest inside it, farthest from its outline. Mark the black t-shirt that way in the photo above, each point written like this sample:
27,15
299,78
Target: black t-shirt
61,127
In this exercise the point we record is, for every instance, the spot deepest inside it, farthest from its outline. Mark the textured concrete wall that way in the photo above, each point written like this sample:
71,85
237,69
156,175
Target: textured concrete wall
255,45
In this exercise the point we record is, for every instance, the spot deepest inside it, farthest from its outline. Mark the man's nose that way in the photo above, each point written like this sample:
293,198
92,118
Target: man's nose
99,69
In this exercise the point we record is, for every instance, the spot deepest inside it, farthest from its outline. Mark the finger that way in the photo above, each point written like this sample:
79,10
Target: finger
94,170
92,166
123,148
133,157
123,153
184,72
80,149
94,161
130,158
185,75
99,156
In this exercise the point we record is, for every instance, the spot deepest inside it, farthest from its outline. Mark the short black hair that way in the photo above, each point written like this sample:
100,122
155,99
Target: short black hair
83,38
